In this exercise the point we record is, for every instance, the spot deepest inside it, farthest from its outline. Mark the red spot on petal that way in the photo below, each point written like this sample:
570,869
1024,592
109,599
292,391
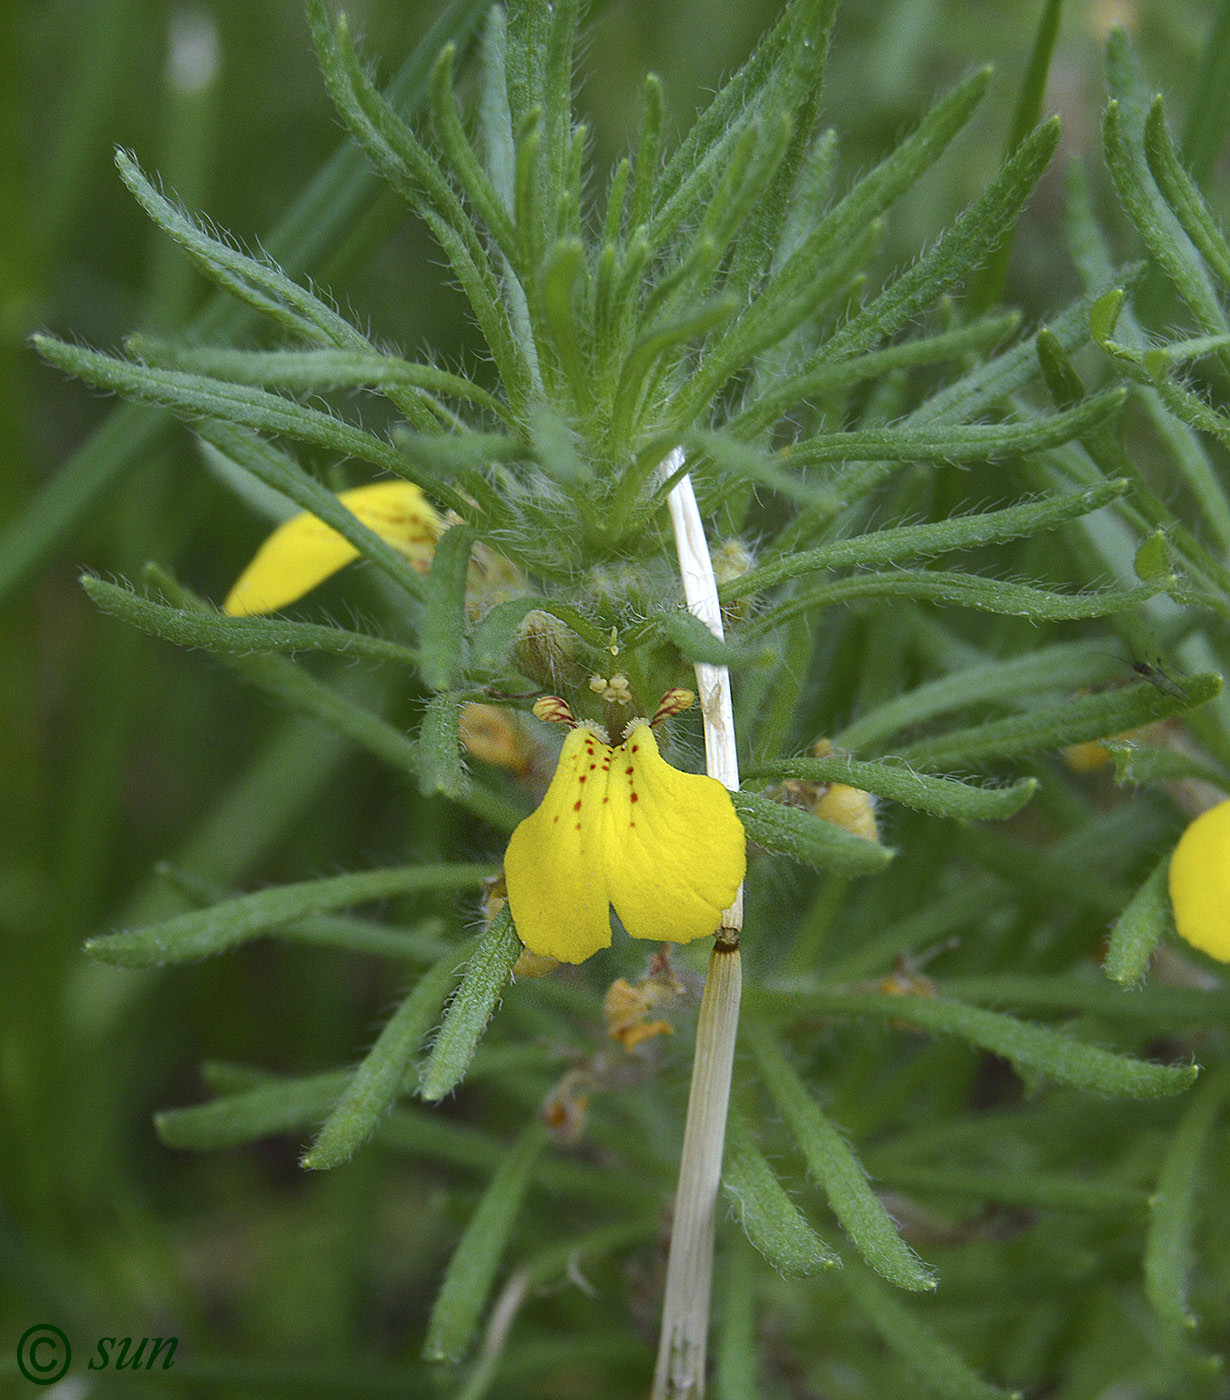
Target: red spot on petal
592,766
605,799
629,771
634,798
582,778
636,748
578,826
576,806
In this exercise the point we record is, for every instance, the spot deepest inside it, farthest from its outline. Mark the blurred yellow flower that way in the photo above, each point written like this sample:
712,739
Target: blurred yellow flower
303,551
1200,882
619,826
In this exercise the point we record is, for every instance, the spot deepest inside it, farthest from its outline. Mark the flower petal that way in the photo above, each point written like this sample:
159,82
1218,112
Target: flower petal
676,852
303,551
554,864
1200,882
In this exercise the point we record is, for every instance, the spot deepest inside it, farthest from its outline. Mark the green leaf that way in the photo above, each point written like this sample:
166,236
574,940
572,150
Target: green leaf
972,442
940,1368
443,628
472,1269
228,924
383,1073
770,1219
239,635
195,397
280,1106
697,643
1161,231
1061,667
956,590
792,832
942,797
837,1170
485,978
934,537
1056,726
257,282
439,746
317,371
1169,1241
962,246
1031,1049
411,170
1140,928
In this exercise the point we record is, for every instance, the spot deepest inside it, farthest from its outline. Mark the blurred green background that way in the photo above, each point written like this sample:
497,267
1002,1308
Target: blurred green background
118,752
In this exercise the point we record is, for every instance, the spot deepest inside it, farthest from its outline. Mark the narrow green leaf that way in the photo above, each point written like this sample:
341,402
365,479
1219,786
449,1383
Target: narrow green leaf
1205,127
1028,110
736,1366
443,629
940,1368
1140,928
956,590
466,1018
808,384
942,797
226,925
1061,668
462,159
792,832
971,442
1054,727
1169,1241
472,1269
770,1219
258,282
1137,764
904,542
239,635
1161,231
835,1167
975,232
195,397
439,746
697,643
1015,1187
383,1073
280,1106
313,371
415,174
1031,1049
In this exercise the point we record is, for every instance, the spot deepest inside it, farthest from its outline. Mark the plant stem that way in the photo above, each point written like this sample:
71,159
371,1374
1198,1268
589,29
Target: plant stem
680,1373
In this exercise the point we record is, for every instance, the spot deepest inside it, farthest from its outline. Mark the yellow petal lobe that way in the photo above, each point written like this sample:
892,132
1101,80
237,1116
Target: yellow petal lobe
303,551
1200,883
676,852
554,863
621,826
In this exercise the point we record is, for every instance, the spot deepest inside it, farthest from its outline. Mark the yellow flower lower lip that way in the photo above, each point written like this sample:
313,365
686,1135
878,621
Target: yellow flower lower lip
619,826
303,551
1200,882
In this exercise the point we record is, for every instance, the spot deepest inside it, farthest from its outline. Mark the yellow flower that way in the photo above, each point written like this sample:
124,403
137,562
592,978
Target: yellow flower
1200,882
621,826
303,551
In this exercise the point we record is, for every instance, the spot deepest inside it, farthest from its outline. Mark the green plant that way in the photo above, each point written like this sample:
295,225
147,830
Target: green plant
719,317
